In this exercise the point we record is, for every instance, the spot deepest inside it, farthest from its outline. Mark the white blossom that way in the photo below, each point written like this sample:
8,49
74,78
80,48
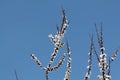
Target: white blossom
102,48
67,75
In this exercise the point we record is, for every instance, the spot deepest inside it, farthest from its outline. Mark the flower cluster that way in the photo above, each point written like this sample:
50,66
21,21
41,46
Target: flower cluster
104,66
102,59
57,41
68,72
106,78
103,63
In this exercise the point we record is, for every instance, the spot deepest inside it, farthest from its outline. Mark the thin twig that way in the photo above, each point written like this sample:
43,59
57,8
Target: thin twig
102,63
114,55
100,38
89,67
97,56
38,62
16,75
51,69
46,75
68,72
109,66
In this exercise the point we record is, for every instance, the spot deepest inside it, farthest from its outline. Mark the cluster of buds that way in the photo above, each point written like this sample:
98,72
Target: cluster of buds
68,72
103,62
107,77
88,74
102,59
37,62
57,41
104,66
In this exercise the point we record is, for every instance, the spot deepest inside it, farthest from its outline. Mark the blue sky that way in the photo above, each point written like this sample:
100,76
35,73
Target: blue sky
24,29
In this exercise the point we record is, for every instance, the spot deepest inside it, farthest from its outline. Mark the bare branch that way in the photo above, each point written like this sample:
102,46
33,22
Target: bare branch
58,30
46,75
100,38
97,56
16,75
68,48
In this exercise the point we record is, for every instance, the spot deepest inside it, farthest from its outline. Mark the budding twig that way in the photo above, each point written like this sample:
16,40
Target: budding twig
89,67
114,55
102,63
68,72
57,41
51,69
100,38
37,62
109,66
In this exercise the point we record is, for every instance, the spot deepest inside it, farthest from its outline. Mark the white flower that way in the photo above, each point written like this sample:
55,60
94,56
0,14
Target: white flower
88,67
67,75
50,36
102,48
104,54
87,75
32,55
65,25
108,76
59,37
89,53
101,55
112,58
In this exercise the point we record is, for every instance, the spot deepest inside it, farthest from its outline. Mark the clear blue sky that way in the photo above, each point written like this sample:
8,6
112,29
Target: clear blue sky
24,29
